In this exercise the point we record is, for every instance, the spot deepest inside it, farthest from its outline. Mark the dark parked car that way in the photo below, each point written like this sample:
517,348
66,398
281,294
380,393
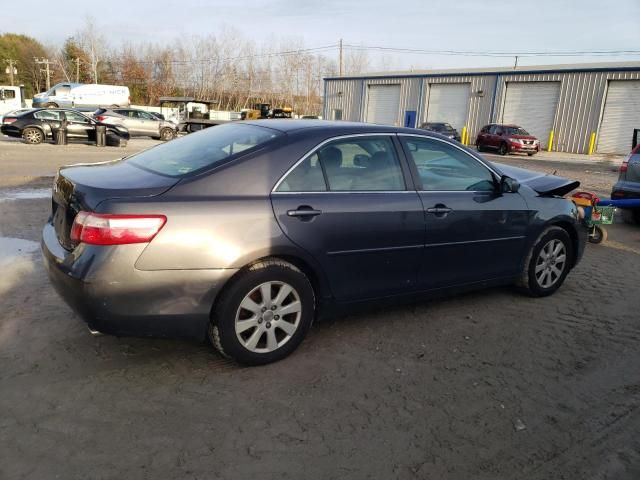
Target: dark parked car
139,122
628,184
443,129
248,230
507,139
36,126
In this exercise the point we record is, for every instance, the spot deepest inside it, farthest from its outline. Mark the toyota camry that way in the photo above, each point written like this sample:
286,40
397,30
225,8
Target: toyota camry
246,232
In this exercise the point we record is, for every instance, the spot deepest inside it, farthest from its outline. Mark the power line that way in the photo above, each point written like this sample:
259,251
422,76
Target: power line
472,53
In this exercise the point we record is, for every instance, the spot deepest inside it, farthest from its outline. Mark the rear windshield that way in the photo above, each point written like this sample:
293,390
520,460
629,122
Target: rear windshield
203,149
516,131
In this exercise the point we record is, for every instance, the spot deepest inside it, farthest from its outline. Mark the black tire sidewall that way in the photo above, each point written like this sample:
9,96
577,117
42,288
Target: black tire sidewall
551,234
503,149
226,309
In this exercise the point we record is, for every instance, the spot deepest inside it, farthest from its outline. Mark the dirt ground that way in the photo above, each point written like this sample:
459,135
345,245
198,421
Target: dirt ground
489,385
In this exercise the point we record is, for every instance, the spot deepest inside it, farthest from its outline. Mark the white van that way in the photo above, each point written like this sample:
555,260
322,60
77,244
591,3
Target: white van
10,99
72,95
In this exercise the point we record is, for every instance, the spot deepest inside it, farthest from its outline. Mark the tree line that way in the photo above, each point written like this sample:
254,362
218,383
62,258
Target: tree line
229,68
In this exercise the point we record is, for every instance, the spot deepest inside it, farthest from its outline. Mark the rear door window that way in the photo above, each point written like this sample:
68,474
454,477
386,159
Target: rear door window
48,115
351,164
203,149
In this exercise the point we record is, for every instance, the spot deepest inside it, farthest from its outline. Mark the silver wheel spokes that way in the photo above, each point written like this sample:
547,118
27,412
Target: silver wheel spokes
33,136
268,317
550,264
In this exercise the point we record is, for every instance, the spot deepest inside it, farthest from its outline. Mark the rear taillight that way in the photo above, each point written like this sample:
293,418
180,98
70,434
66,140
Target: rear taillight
101,118
9,120
111,229
625,165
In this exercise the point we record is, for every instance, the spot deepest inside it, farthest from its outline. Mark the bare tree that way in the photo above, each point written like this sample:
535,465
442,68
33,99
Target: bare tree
94,44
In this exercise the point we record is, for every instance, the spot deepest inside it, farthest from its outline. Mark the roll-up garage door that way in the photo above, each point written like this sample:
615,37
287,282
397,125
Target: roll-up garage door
383,104
621,115
532,106
449,102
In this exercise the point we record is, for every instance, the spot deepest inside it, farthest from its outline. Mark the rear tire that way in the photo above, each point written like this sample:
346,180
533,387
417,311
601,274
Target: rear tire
249,323
631,216
480,147
33,135
51,105
547,264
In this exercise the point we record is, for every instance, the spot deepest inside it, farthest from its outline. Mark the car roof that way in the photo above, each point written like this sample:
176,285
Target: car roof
333,127
505,125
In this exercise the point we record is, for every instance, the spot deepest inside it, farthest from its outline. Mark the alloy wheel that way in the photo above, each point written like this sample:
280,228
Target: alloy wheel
268,317
551,263
33,136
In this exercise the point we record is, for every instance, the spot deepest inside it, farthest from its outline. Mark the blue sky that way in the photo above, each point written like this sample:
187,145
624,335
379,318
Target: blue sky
477,25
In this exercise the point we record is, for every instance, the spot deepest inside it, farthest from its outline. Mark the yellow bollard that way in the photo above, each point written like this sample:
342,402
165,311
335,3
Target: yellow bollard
463,137
550,144
592,143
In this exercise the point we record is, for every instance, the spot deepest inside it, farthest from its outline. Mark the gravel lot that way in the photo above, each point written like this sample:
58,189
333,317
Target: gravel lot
488,385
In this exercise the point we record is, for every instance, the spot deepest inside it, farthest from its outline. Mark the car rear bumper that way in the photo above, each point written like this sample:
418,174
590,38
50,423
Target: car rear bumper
10,130
624,189
104,288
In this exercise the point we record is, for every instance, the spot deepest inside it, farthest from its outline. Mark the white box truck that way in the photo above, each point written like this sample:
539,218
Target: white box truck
11,98
72,95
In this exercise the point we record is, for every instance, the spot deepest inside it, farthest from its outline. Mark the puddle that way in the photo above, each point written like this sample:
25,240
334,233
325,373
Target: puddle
25,194
16,260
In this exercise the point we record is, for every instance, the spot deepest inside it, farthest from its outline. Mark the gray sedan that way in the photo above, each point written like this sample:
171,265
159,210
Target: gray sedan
248,231
138,122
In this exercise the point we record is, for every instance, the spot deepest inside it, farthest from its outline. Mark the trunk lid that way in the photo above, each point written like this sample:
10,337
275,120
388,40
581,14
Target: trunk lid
84,186
541,183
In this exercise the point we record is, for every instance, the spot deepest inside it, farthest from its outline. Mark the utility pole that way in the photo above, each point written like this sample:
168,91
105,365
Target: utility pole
77,62
515,65
340,67
46,62
11,69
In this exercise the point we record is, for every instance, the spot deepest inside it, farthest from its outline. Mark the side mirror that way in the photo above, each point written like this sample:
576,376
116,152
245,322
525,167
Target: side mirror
509,185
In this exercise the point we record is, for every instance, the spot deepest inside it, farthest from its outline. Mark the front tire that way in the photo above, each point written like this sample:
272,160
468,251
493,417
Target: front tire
51,105
33,135
504,149
264,314
167,134
547,264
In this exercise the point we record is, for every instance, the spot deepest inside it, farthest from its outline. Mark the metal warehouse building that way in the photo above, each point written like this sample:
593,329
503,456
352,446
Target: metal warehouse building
570,108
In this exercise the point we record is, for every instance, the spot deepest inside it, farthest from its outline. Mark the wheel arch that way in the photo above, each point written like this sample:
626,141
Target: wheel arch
308,267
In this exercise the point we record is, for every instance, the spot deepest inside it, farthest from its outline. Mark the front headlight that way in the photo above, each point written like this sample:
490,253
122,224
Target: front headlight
515,140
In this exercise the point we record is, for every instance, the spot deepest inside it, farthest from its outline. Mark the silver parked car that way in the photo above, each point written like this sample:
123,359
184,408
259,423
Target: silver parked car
138,122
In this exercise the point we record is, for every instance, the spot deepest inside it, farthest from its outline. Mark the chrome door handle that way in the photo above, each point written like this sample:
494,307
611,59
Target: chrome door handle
304,212
438,210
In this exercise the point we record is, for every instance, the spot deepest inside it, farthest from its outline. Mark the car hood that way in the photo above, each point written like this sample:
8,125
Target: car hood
542,183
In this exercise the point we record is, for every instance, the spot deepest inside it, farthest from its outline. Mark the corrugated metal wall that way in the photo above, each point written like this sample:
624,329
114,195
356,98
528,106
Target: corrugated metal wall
481,96
345,95
579,112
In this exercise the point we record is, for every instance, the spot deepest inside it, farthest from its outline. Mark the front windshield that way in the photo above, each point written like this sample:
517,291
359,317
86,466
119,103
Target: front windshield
516,131
203,149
